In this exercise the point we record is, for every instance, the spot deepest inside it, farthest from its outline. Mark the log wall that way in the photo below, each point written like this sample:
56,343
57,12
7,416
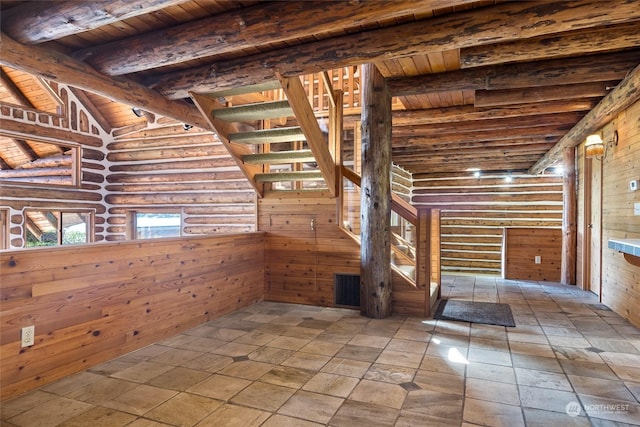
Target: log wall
401,182
169,167
147,166
23,122
474,212
521,247
94,302
621,279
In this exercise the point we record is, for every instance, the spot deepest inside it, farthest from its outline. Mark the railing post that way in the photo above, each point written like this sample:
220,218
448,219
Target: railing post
423,255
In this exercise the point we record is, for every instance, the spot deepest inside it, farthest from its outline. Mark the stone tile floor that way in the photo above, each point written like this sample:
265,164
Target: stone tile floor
570,361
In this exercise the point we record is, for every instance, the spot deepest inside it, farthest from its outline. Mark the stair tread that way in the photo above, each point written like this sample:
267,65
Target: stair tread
260,87
257,111
288,176
296,156
288,134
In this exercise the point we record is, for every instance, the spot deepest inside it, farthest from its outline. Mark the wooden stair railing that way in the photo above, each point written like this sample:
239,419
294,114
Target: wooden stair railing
267,138
398,204
414,287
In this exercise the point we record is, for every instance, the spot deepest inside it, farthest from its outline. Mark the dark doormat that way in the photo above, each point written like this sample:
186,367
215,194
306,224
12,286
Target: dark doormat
488,313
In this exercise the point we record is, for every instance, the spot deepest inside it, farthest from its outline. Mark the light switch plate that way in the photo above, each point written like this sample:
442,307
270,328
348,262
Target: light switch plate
636,208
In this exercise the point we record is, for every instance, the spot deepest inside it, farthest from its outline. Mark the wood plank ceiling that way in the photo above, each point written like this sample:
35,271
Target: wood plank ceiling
484,84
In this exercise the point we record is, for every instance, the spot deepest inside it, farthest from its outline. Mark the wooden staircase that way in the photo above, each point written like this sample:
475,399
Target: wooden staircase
278,144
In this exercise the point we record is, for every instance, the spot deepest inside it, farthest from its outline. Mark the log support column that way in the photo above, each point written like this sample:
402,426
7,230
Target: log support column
375,206
569,211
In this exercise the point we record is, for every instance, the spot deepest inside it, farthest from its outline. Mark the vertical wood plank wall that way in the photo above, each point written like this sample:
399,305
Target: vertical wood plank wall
297,269
620,279
94,302
475,210
522,245
300,266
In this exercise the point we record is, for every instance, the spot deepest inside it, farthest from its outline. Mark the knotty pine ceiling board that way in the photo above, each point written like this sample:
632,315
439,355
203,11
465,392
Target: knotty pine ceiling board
6,96
32,89
11,153
44,149
117,114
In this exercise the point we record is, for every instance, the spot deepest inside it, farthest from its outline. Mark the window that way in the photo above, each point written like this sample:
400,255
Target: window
52,228
146,224
34,162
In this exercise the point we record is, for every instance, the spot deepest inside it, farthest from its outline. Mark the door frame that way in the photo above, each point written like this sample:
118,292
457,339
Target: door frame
588,256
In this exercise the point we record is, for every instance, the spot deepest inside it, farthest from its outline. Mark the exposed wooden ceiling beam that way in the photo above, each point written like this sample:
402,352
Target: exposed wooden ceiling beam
469,112
574,43
497,98
541,131
485,125
458,167
473,155
592,68
476,145
38,22
624,95
22,130
245,29
56,66
509,21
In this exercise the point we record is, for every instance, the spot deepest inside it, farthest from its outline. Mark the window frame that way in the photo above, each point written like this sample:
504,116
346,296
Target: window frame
6,230
76,165
90,225
132,226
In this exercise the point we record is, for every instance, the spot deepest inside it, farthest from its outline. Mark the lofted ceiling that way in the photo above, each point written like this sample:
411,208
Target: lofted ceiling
490,85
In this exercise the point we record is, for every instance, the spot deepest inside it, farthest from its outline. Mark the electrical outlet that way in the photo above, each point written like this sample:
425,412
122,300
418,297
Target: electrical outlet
538,259
28,336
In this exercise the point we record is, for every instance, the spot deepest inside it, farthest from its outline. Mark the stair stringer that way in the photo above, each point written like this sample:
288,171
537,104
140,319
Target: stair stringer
305,116
223,129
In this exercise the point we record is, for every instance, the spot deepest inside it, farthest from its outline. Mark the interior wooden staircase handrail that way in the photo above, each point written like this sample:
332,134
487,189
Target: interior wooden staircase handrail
398,204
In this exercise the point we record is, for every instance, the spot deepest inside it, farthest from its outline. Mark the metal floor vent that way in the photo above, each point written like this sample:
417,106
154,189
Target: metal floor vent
347,290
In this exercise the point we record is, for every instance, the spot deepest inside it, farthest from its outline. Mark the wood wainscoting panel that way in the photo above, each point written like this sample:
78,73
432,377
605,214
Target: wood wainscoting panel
522,246
305,247
91,303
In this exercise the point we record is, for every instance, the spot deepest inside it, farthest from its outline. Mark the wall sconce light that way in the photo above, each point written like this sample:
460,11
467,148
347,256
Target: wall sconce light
597,148
594,146
137,111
